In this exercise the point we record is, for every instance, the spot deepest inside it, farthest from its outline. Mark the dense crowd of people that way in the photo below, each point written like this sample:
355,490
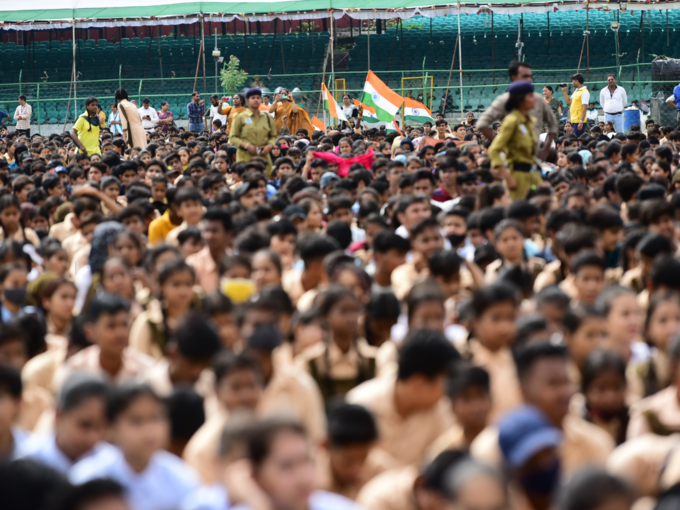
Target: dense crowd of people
255,314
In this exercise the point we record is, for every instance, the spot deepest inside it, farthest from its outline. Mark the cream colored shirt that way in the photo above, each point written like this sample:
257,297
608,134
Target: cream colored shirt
64,229
421,428
662,407
72,244
584,444
87,360
207,272
391,490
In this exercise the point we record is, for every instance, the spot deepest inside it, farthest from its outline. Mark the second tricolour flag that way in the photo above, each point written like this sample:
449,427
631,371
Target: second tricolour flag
416,112
379,96
331,105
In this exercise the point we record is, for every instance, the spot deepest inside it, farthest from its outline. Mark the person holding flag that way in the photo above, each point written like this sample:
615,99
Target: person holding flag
379,96
352,112
332,106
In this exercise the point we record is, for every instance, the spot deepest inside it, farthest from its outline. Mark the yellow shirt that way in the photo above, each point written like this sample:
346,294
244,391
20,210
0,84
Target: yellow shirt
576,107
88,134
161,227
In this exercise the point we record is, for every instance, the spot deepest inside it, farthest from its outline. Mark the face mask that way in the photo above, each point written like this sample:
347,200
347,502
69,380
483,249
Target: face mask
542,482
456,239
284,96
15,296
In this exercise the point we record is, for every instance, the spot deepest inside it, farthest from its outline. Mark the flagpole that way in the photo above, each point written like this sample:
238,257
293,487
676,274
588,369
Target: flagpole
332,43
460,64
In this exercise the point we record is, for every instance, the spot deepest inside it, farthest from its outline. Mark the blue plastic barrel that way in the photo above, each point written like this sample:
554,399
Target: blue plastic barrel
630,117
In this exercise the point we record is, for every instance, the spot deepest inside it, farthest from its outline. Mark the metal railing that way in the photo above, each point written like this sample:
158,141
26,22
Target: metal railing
50,100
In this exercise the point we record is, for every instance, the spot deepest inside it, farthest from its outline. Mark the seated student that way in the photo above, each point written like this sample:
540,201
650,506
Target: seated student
132,218
83,207
347,459
171,219
469,391
426,240
659,413
220,311
588,269
604,388
153,479
389,252
79,426
80,258
571,239
585,330
607,221
151,330
189,203
238,387
108,329
13,439
544,379
159,190
344,360
413,488
282,242
218,231
494,310
188,354
190,241
270,445
646,250
187,416
13,281
410,405
313,250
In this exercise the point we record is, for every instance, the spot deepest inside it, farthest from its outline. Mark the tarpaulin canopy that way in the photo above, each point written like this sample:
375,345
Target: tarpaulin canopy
48,14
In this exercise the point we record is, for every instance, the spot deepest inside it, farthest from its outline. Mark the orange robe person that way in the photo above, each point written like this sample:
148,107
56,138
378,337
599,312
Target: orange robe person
295,121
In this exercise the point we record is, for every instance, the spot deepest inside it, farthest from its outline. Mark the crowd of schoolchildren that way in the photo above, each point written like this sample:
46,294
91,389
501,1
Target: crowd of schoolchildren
180,330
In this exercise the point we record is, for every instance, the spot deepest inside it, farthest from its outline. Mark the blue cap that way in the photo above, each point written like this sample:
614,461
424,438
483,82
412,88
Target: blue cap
525,432
253,92
520,87
327,178
60,170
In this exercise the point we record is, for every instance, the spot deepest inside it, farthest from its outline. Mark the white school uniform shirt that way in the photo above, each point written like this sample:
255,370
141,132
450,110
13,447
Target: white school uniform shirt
163,485
613,102
21,438
148,125
207,497
323,500
43,448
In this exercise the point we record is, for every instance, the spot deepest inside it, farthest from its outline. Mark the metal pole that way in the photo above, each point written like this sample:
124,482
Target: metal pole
493,52
75,76
38,94
368,34
216,63
160,56
332,43
460,64
205,85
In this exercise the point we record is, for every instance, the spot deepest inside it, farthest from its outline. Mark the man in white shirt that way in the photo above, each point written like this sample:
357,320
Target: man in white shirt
592,115
215,110
613,100
148,115
23,117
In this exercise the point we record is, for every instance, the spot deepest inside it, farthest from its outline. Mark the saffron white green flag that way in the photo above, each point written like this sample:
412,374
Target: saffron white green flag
331,105
379,96
416,112
369,115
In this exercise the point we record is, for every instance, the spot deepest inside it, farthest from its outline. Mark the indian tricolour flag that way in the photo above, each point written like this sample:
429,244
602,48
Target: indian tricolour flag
369,115
331,105
379,96
318,125
392,126
416,112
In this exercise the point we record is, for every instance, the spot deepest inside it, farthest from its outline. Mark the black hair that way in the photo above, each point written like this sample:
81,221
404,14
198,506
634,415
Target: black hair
588,258
80,388
490,217
423,292
604,217
340,202
599,361
25,484
591,489
652,245
195,338
513,68
315,247
526,358
341,232
191,232
575,317
106,304
522,210
386,240
228,362
422,226
188,193
10,382
216,303
489,295
86,494
425,352
186,412
445,263
350,424
465,375
665,272
262,435
574,238
606,298
653,210
123,396
282,227
628,184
